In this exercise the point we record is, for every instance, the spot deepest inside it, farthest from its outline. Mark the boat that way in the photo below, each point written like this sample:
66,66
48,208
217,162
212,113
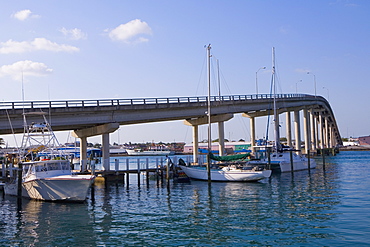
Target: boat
230,168
47,176
151,152
226,172
282,158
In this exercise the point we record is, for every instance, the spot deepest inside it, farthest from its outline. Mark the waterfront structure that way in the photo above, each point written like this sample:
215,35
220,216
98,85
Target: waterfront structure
102,117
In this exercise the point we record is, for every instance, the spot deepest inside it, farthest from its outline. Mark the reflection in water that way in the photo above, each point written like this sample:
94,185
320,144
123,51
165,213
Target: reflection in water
46,223
286,209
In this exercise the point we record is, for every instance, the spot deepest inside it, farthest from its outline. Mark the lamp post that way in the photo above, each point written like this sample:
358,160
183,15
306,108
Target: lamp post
327,89
296,86
314,79
257,80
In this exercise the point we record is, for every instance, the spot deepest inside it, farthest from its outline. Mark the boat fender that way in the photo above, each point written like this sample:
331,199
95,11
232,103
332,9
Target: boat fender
226,169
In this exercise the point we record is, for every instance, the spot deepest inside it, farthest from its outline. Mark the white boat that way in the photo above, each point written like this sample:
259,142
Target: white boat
226,174
51,180
281,159
283,162
48,176
140,152
227,171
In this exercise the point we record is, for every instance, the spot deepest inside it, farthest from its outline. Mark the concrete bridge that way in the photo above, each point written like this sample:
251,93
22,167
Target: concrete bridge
101,117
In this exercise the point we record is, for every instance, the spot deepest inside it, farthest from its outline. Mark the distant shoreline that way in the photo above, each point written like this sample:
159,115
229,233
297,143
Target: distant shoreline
355,148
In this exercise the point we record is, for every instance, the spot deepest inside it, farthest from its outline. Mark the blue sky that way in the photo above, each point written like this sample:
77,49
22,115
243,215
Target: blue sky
135,49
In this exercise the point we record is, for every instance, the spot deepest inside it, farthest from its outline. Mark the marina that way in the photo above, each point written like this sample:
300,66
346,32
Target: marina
321,207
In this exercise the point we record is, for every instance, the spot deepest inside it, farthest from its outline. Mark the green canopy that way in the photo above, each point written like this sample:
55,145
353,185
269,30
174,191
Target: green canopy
229,157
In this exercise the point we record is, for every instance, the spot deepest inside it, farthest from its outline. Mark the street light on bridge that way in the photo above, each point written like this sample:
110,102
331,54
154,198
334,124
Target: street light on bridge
256,78
327,89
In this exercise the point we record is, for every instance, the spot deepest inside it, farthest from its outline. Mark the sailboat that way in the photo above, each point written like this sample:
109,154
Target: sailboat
283,159
229,168
46,172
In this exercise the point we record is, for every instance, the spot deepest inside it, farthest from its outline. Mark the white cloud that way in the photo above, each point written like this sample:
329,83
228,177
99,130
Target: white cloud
24,14
131,32
75,34
27,68
38,44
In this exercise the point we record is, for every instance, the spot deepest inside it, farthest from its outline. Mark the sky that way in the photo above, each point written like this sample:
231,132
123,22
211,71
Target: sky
118,49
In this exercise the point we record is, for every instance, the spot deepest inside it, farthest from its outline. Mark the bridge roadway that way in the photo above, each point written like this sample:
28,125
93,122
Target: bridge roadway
82,114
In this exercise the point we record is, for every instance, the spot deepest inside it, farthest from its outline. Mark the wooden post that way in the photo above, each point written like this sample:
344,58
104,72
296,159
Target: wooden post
209,167
323,157
20,170
127,172
116,165
168,169
269,159
161,170
147,172
138,173
308,161
291,161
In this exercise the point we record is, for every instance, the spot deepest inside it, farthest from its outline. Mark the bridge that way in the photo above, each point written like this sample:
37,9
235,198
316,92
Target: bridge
101,117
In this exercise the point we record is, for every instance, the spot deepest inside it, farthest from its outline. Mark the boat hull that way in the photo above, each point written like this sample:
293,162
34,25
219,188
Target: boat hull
201,173
148,153
301,165
61,188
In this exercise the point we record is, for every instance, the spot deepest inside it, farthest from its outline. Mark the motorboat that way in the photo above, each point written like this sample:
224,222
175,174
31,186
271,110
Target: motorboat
51,180
46,171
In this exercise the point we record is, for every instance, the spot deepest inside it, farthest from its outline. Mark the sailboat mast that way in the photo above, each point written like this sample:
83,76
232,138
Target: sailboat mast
209,98
276,117
209,114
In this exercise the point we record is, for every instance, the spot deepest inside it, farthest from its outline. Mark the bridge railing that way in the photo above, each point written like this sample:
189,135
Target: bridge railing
136,101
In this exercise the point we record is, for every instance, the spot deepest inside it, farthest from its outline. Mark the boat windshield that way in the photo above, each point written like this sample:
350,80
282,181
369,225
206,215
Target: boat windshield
52,166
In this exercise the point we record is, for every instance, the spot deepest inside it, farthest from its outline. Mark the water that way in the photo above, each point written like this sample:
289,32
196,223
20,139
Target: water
327,207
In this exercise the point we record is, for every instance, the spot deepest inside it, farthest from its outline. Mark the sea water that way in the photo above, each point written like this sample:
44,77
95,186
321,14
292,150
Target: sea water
329,206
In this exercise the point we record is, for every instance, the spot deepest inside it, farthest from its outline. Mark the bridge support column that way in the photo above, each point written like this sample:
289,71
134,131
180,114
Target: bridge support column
221,138
105,149
321,133
313,130
297,129
288,129
253,133
204,120
104,130
326,133
317,134
195,144
306,127
83,154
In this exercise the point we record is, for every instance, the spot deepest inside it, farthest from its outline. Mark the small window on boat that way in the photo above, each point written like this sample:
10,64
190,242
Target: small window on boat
280,155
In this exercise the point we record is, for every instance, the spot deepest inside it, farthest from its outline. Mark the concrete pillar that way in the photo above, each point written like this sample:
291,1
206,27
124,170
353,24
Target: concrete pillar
105,149
104,130
326,133
321,132
306,127
253,133
297,128
330,144
195,144
83,153
317,129
221,138
313,129
288,129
